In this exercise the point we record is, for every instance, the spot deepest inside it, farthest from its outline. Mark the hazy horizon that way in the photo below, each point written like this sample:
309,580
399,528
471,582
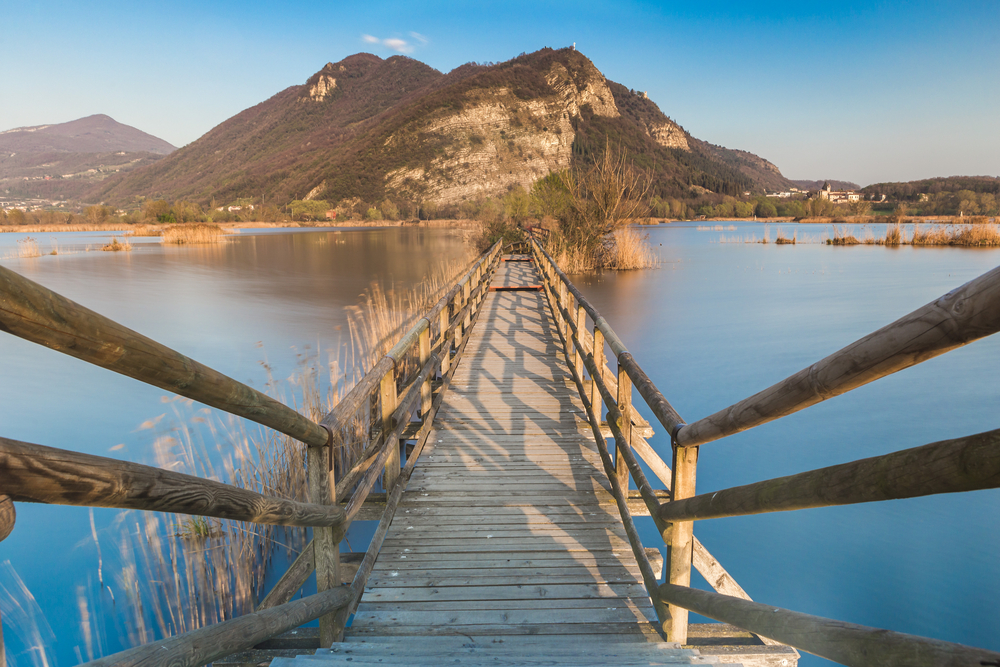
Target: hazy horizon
895,92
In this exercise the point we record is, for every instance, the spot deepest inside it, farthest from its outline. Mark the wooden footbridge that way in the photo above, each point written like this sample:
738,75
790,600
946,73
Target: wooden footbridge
506,532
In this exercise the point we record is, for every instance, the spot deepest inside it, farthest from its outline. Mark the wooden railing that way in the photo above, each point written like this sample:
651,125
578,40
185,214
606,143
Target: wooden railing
404,405
959,317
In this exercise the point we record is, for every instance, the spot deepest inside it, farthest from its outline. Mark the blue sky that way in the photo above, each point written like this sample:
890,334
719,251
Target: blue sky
866,92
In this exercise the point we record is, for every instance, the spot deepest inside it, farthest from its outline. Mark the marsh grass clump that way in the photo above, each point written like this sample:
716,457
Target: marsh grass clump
627,250
781,239
27,248
199,233
843,237
116,246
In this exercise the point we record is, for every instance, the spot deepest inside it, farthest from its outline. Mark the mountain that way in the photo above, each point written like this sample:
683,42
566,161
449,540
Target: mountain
66,160
818,185
93,134
397,128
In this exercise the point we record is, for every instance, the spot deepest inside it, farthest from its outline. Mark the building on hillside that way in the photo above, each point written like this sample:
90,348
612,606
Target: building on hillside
839,196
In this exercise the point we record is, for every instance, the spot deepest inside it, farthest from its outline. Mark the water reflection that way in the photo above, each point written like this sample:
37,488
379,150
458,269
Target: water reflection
263,294
721,321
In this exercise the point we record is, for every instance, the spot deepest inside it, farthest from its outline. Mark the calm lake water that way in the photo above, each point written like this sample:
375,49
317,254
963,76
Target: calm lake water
718,321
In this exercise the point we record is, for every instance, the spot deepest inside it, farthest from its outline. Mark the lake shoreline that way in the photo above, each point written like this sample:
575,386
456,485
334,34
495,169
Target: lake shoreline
230,226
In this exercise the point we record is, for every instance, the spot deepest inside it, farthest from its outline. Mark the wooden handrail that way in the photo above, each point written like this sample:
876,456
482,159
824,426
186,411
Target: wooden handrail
654,398
8,517
393,498
293,579
949,466
33,312
202,646
961,316
361,391
844,643
39,474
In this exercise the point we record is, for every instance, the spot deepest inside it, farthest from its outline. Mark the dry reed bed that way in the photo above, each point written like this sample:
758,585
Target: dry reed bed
180,573
980,235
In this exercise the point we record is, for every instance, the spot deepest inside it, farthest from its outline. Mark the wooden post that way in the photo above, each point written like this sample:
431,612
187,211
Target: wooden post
595,390
387,406
466,288
445,320
326,550
681,538
459,327
581,323
424,344
625,409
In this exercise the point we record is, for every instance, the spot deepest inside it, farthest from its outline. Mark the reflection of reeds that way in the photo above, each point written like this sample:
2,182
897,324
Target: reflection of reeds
179,573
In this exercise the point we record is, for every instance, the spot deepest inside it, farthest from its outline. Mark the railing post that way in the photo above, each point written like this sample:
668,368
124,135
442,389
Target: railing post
581,323
387,405
466,288
562,302
595,392
444,321
680,546
326,550
459,326
424,343
625,410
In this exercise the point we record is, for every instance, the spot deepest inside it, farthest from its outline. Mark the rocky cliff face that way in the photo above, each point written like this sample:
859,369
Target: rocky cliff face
498,140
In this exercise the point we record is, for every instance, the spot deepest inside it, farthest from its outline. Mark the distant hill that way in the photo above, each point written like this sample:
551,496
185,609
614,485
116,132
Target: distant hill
818,185
93,134
396,128
66,160
912,190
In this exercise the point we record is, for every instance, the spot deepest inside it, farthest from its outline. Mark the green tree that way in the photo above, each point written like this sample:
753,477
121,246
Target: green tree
517,205
389,210
309,209
765,209
157,210
551,195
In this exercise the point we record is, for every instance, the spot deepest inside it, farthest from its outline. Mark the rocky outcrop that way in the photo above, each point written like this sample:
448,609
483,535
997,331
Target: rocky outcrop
498,141
669,135
323,88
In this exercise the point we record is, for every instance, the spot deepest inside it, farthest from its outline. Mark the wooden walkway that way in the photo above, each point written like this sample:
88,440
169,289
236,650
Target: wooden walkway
507,526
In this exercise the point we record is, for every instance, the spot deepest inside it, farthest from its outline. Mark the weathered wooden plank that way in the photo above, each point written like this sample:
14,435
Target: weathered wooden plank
462,605
607,614
608,591
587,629
544,579
38,474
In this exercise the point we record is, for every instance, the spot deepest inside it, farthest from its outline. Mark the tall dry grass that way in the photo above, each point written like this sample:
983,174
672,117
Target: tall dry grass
629,250
189,234
116,246
842,237
26,249
179,573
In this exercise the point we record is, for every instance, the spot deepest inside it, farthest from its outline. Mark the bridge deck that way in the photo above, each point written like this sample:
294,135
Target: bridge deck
507,527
